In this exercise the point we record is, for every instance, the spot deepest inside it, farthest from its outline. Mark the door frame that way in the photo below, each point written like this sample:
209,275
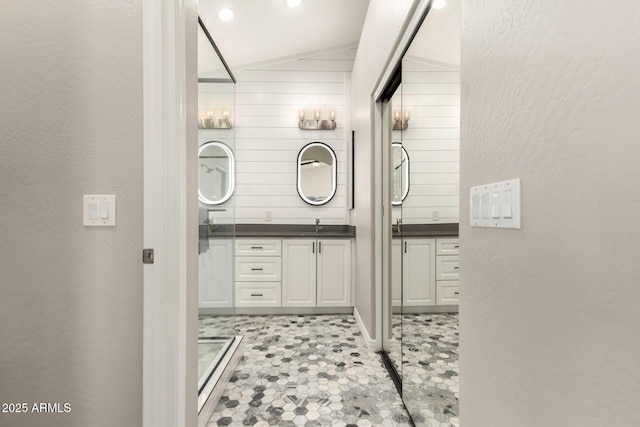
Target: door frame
169,30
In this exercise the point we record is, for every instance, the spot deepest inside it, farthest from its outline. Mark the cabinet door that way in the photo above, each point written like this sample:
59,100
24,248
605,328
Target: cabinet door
396,273
418,281
298,273
215,278
334,273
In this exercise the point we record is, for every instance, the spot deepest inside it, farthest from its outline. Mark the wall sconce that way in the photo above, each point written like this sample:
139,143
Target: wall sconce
211,122
316,123
400,120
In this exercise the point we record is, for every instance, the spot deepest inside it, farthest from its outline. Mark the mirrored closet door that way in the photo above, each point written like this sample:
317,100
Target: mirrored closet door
422,118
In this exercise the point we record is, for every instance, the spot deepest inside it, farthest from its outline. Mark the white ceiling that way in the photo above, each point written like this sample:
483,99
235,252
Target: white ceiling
267,31
438,39
318,35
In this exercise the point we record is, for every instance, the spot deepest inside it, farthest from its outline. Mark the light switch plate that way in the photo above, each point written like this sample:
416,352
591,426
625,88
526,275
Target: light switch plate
99,210
496,205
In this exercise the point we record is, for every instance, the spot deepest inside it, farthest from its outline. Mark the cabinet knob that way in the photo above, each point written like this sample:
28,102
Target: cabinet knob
256,269
256,295
256,247
456,293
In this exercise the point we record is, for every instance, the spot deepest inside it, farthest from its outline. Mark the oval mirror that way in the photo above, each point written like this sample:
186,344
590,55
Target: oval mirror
216,173
400,177
316,173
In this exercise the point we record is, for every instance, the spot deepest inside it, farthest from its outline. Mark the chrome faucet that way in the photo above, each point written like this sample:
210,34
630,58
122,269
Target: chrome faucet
318,226
397,226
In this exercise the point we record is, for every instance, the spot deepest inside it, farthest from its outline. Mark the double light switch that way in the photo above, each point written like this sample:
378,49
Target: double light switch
99,210
496,205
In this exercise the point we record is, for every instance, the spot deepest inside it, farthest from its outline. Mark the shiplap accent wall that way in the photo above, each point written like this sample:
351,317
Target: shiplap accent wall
266,141
431,94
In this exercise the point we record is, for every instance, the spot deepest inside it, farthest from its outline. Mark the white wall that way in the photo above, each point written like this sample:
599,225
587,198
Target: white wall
431,94
71,124
549,313
267,141
383,24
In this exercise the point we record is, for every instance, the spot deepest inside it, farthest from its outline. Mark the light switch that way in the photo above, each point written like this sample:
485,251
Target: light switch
99,210
104,210
496,205
475,206
93,210
507,203
485,205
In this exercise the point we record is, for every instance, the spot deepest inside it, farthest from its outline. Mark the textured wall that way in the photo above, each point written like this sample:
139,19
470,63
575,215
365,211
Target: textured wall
71,297
382,26
549,313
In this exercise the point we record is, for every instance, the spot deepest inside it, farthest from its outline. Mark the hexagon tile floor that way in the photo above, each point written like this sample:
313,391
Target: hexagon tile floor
307,370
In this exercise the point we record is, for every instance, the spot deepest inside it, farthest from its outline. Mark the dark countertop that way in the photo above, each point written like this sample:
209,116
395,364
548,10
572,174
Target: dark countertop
278,230
427,230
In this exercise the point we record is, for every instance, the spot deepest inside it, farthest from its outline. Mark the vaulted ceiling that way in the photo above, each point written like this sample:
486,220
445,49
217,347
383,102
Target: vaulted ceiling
264,32
316,35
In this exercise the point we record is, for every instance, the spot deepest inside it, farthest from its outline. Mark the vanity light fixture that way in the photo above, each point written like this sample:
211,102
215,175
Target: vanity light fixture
212,122
400,120
293,3
226,14
316,123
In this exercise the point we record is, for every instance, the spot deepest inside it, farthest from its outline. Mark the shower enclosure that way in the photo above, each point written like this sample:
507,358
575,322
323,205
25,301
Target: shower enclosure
217,340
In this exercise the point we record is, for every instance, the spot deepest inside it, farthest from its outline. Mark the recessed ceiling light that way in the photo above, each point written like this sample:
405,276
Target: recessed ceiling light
226,14
438,4
293,3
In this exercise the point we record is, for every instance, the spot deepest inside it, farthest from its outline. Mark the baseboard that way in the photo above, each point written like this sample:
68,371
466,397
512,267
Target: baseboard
371,343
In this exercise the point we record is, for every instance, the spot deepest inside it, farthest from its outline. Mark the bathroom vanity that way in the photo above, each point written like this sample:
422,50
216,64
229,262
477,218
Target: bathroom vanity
425,268
280,269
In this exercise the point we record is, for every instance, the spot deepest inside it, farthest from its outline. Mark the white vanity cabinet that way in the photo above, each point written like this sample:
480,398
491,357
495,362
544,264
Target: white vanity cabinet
299,273
418,272
316,273
258,277
447,271
396,272
215,281
425,271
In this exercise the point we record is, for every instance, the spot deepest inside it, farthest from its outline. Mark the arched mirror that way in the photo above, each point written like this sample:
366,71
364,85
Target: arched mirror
216,173
400,177
316,173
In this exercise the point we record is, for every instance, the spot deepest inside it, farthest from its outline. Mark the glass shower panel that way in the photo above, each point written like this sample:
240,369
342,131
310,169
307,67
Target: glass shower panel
216,166
398,184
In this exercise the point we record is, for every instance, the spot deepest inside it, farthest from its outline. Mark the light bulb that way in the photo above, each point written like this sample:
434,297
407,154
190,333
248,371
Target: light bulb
438,4
226,14
293,3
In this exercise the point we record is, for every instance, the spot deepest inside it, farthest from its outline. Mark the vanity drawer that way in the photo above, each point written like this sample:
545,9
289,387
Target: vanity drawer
448,246
447,267
250,294
447,293
258,247
258,269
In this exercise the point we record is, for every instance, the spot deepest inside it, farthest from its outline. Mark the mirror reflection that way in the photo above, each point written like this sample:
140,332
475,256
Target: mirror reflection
400,174
216,172
316,173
